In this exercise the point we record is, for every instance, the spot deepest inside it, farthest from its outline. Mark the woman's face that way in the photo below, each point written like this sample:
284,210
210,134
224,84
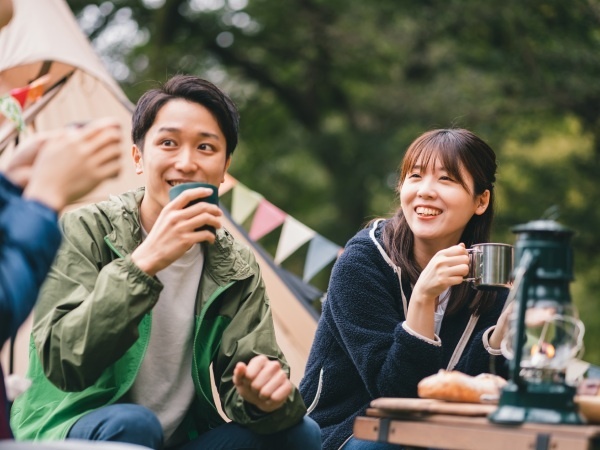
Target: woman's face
437,208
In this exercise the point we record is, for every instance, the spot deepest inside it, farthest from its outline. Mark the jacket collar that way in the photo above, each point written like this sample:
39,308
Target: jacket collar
223,261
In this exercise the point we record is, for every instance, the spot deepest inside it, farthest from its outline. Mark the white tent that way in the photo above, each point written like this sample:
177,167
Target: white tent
44,38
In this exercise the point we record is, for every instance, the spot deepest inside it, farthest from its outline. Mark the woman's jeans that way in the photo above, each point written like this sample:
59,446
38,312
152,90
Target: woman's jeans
357,444
136,424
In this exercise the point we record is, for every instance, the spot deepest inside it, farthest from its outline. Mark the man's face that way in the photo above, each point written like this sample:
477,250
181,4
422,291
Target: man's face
184,144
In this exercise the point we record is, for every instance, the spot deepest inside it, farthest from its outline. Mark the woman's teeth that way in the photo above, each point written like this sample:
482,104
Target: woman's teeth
421,211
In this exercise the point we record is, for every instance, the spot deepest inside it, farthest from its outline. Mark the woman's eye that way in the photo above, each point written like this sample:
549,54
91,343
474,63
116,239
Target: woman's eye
414,175
446,178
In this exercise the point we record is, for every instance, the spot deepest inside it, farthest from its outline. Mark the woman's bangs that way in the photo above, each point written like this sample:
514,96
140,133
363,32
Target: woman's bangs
429,152
452,162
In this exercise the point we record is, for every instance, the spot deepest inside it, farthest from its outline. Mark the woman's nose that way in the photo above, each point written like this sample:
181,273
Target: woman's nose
426,189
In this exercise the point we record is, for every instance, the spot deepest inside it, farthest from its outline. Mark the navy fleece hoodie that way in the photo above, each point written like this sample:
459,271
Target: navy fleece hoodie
364,353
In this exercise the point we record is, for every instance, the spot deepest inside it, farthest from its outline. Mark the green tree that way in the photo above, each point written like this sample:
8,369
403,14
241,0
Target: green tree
331,93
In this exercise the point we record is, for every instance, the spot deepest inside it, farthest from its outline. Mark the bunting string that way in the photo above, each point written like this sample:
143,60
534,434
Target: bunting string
16,101
265,217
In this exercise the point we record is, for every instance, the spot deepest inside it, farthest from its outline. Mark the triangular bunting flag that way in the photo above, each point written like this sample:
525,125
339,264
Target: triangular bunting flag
321,252
37,88
243,203
266,219
293,235
11,109
20,95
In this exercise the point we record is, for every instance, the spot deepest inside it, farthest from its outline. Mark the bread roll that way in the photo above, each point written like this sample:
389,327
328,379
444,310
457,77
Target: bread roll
456,386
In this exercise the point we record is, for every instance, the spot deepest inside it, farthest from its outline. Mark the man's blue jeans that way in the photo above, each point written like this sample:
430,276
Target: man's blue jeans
136,424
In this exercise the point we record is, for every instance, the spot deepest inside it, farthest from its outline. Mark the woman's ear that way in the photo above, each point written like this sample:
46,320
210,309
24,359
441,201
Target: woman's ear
483,201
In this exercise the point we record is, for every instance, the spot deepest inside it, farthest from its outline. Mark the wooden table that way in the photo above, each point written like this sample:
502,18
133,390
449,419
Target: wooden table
470,432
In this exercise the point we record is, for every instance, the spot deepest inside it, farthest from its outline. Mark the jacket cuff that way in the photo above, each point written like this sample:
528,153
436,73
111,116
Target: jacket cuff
486,342
435,341
138,273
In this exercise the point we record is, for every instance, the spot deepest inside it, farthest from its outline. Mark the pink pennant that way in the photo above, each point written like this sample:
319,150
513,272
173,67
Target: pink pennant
266,218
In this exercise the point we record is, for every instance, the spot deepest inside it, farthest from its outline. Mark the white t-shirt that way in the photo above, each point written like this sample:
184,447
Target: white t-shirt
164,383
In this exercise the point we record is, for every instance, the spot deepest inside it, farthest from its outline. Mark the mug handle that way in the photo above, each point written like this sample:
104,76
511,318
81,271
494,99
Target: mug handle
473,252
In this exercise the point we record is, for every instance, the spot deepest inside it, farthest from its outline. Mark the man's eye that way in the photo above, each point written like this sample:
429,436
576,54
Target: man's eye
168,142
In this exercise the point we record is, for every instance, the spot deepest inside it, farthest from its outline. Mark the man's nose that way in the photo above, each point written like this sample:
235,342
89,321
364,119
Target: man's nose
186,160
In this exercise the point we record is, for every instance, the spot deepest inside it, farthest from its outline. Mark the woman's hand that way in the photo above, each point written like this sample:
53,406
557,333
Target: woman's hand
501,327
447,268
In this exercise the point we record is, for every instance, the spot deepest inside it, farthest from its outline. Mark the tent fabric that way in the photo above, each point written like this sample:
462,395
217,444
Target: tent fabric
44,37
47,31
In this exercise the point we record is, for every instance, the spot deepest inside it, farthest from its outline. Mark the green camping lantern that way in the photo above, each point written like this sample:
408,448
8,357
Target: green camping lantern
545,333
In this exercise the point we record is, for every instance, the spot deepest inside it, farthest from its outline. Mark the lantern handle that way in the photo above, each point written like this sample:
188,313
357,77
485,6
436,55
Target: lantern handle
520,272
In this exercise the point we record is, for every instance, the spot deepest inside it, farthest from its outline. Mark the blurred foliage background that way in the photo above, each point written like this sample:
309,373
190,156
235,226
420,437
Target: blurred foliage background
331,93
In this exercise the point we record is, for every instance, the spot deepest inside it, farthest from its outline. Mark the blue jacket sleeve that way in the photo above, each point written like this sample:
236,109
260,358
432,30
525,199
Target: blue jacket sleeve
29,240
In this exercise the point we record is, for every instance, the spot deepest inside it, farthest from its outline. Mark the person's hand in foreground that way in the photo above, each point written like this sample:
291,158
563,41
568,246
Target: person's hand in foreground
70,163
21,163
263,383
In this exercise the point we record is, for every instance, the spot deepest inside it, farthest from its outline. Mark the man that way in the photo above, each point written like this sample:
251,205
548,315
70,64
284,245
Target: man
135,314
43,176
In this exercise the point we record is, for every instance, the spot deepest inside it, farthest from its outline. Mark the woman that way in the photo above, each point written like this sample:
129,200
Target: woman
381,330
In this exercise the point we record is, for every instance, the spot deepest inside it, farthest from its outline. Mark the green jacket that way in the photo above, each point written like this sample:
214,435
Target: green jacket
92,327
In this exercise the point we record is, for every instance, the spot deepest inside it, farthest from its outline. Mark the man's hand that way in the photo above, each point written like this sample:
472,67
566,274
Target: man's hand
263,383
175,230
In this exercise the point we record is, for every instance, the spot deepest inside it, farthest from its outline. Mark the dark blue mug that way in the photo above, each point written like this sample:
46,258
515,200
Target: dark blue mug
212,198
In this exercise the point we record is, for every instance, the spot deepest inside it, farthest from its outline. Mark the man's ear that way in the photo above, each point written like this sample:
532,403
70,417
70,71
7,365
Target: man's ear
483,202
136,154
227,164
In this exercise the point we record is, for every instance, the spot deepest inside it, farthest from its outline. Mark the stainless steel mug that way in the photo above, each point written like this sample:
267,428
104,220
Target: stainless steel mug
490,266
